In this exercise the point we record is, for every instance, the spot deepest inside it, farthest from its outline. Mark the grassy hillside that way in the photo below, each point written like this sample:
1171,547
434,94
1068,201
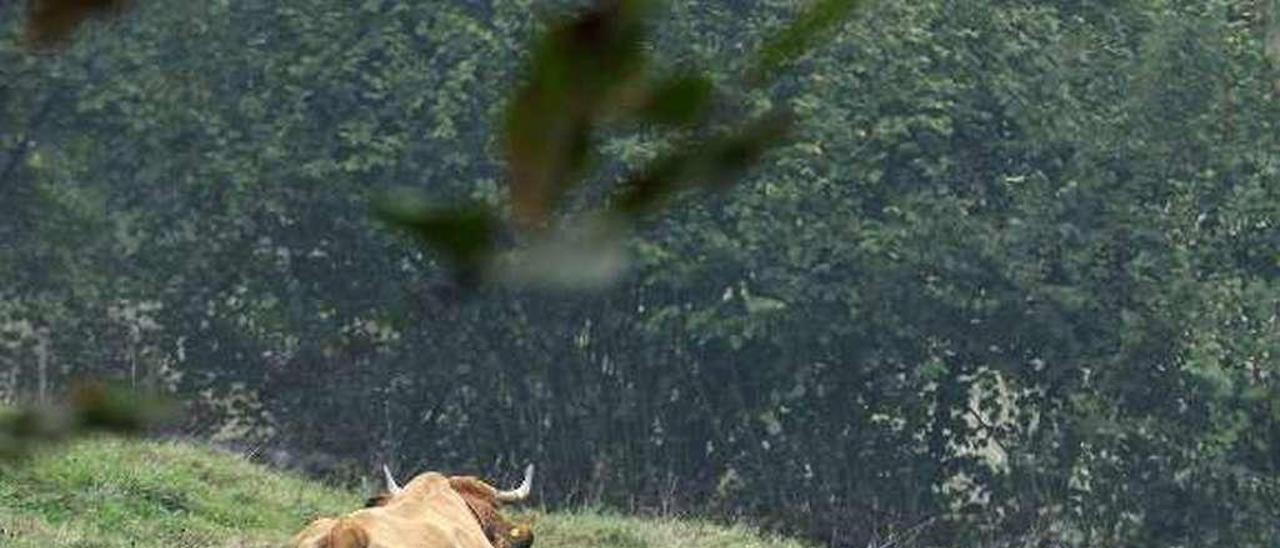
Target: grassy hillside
109,492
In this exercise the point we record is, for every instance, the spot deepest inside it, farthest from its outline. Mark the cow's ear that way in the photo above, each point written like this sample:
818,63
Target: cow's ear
468,486
519,536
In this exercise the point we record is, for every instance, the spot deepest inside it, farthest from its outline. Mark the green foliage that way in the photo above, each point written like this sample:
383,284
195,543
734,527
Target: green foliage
585,71
1011,281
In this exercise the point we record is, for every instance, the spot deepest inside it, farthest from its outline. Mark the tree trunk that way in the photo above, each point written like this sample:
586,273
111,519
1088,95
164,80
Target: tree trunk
42,365
1273,41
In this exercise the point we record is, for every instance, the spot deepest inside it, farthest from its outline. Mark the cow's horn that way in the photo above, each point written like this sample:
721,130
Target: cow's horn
519,493
391,481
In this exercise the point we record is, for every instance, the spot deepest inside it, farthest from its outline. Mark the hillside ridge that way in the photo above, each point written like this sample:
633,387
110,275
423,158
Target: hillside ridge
109,492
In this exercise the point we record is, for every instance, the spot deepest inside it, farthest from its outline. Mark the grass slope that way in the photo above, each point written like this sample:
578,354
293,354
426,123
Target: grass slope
110,492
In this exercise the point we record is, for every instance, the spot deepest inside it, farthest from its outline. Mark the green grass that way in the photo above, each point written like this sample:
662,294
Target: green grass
109,492
588,528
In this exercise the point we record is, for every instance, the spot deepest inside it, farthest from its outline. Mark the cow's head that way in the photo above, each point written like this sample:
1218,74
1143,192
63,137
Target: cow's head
485,501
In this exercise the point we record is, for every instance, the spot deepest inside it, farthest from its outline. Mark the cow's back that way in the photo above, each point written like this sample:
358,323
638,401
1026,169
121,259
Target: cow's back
432,515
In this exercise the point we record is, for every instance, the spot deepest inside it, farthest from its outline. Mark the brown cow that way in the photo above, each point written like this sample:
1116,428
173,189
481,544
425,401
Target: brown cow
431,511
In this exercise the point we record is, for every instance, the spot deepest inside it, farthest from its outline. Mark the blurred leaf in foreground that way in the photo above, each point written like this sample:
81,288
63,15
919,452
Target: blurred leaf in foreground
579,71
588,70
93,406
714,163
51,23
112,408
799,36
463,235
679,100
586,255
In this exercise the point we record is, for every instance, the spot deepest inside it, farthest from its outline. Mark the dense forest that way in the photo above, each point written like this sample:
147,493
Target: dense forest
1012,280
